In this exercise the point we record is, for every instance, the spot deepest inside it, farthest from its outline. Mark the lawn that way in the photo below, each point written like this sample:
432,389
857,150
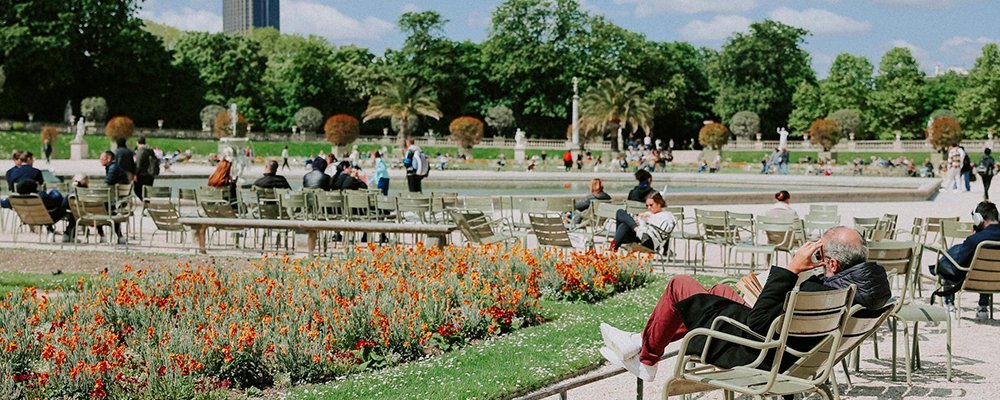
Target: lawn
525,360
15,281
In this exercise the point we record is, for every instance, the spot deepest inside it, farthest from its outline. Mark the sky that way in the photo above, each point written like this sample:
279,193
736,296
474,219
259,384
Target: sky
940,33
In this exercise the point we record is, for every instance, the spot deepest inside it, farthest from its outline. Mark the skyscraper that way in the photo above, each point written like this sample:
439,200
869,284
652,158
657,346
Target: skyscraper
242,15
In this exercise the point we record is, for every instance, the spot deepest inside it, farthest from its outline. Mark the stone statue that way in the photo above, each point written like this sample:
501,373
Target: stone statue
782,137
80,130
519,140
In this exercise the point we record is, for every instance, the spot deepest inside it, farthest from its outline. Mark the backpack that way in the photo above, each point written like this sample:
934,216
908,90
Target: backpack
154,166
421,166
985,166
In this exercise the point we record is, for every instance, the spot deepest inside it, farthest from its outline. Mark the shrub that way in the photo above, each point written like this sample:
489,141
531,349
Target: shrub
119,127
943,113
944,132
848,121
94,109
500,118
745,124
713,136
209,113
309,119
342,129
825,133
223,125
466,132
50,133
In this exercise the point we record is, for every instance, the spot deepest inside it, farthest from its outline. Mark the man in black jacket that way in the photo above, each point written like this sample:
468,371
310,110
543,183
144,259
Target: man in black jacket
349,178
147,167
686,305
317,178
125,158
271,179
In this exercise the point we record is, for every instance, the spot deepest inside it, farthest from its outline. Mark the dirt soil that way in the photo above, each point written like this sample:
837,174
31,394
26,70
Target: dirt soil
49,261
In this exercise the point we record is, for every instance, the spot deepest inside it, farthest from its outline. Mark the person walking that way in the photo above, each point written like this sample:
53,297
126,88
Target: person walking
568,160
416,166
986,169
954,164
284,158
147,167
47,149
966,169
381,173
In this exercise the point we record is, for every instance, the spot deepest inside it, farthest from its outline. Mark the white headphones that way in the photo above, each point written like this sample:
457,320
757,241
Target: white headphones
977,218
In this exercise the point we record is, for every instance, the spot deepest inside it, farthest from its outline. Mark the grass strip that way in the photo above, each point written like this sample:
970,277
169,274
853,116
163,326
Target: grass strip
15,281
516,363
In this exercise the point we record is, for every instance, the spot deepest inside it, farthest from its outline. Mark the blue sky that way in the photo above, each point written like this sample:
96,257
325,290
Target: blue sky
945,33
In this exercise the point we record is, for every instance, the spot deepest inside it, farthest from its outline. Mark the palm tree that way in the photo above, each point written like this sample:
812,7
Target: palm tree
613,104
402,98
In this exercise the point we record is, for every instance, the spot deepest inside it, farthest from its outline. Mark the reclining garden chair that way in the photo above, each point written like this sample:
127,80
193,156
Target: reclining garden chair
478,228
31,211
807,314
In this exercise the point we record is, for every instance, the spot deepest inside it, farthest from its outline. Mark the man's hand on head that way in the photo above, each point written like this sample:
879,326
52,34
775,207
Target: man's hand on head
802,260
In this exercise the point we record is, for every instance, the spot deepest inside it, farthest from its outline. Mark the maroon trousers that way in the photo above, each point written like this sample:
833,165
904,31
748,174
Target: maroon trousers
664,325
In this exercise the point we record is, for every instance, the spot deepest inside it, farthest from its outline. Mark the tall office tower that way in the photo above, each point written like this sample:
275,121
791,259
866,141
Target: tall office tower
243,15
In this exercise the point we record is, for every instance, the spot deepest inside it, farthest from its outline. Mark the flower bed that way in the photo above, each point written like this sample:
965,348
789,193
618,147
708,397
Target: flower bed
188,330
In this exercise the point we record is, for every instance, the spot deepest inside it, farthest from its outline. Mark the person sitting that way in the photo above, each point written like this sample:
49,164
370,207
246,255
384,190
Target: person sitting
222,178
686,305
125,157
644,187
16,157
349,178
985,218
644,233
271,179
24,178
317,178
702,166
596,193
782,207
114,175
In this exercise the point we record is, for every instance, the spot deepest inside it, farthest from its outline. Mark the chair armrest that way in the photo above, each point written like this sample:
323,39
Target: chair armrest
945,254
737,324
712,334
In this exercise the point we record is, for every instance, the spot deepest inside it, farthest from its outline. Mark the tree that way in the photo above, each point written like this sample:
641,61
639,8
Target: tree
808,107
500,118
402,98
943,113
943,90
230,67
898,96
466,132
119,127
848,84
615,103
209,112
3,78
223,125
943,132
760,71
50,133
825,133
978,105
309,119
342,129
848,121
714,136
94,109
745,124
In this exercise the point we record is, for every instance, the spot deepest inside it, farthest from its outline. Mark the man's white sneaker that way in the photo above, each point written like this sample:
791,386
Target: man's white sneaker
612,357
632,364
625,344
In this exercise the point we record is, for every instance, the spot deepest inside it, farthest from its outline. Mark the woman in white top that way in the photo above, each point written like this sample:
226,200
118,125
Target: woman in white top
781,207
653,228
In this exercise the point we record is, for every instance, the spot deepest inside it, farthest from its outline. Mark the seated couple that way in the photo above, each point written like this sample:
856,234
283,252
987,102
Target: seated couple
686,305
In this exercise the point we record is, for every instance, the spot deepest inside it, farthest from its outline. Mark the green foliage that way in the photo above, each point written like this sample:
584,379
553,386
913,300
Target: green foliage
849,83
848,121
466,131
898,97
223,125
500,118
615,103
825,133
342,129
943,132
760,71
978,105
943,90
943,113
94,109
714,136
745,124
230,67
209,112
808,107
3,78
309,119
119,127
402,98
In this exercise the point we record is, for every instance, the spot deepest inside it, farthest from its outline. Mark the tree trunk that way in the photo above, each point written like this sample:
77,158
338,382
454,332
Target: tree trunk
403,135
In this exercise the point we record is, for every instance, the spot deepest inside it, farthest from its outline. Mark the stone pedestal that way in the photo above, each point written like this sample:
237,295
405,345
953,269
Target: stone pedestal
519,154
78,150
235,148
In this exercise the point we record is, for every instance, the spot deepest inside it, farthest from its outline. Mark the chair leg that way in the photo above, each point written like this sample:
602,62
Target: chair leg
916,348
906,352
874,344
847,375
892,327
948,346
833,383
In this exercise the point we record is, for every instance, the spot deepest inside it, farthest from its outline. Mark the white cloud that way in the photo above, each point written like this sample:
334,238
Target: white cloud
646,8
819,21
410,7
308,18
966,49
919,3
187,19
720,27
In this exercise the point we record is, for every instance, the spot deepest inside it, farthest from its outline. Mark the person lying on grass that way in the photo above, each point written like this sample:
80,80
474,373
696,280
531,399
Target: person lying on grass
685,305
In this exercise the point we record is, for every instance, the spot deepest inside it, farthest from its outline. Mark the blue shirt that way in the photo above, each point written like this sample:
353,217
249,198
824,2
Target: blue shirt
23,174
381,170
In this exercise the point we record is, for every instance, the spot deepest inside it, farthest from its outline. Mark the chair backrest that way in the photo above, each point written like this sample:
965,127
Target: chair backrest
330,205
164,215
186,195
482,204
294,205
563,205
899,259
635,207
441,201
741,225
777,230
94,202
209,194
218,209
984,270
472,223
823,209
932,231
30,209
860,325
247,201
953,231
815,315
268,204
421,205
714,225
549,229
359,204
155,192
